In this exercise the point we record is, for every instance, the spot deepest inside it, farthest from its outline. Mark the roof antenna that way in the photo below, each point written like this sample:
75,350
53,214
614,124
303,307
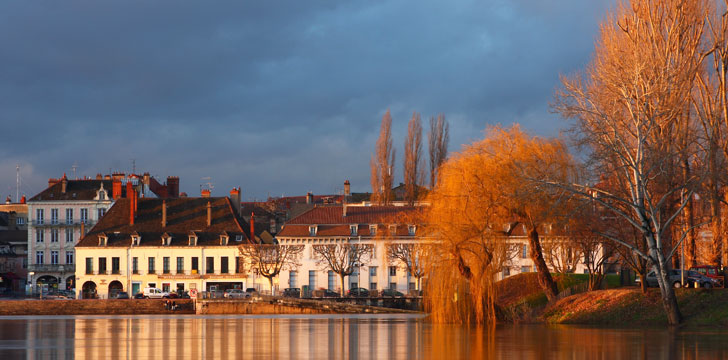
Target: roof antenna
133,166
74,167
17,182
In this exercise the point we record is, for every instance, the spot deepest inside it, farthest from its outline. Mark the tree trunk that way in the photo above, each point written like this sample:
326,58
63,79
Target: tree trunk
667,292
270,282
341,277
643,281
544,276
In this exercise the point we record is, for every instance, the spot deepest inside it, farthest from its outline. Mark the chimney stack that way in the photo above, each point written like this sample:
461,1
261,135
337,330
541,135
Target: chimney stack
252,227
309,198
235,198
164,213
347,189
209,214
116,189
132,206
173,186
22,199
205,193
64,184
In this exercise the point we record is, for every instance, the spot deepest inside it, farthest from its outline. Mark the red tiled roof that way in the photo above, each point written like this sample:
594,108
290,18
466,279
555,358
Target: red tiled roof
330,220
183,216
75,190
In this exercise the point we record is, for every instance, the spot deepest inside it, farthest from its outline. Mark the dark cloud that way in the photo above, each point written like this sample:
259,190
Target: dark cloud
277,97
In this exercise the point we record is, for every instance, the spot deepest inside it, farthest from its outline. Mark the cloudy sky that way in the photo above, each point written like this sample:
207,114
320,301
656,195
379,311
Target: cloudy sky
279,97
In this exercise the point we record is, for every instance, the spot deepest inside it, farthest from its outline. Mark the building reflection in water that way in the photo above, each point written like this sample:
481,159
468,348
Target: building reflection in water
334,337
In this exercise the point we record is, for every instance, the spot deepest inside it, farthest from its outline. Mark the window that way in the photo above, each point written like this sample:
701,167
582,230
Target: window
195,266
39,257
54,216
54,257
393,285
69,216
54,235
293,279
101,213
69,235
39,216
180,265
411,230
372,286
411,286
135,265
38,235
165,287
332,280
114,265
524,251
89,266
506,271
102,265
372,271
353,229
20,221
372,230
392,229
210,268
150,268
238,238
525,269
165,265
69,256
312,279
392,271
312,231
239,265
84,215
224,265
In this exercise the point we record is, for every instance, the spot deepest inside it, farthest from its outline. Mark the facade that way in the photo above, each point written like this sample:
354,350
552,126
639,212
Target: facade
377,226
13,246
181,244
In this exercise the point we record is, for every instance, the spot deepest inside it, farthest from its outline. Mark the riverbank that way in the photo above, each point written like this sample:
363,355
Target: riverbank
256,306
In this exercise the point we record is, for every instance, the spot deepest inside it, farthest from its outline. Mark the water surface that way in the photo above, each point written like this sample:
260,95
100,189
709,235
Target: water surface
335,337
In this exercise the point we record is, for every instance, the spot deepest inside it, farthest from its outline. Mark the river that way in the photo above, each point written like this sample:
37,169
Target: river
335,337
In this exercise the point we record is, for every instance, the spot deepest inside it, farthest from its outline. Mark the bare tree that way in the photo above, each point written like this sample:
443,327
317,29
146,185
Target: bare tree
411,256
626,106
342,258
382,163
271,259
437,141
561,255
413,174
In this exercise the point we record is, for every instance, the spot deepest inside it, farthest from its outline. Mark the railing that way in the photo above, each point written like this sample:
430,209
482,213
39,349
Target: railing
88,223
52,267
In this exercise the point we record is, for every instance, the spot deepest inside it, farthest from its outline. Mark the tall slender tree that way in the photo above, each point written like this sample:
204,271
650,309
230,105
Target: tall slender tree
382,163
437,140
413,174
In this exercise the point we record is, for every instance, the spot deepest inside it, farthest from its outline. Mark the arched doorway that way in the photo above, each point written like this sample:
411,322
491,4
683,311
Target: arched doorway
47,283
114,288
70,283
89,290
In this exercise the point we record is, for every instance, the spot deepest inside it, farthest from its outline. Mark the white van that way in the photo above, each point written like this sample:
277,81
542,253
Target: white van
155,293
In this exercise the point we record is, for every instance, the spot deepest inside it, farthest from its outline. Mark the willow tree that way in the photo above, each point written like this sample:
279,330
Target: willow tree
627,106
482,190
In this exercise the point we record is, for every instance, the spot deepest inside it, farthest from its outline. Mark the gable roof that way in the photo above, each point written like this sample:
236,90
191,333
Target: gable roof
330,220
184,216
83,190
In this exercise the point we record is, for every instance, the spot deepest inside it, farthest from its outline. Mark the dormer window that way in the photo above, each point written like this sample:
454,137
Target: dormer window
192,240
135,240
353,229
224,239
411,230
312,230
392,229
103,240
372,230
166,239
238,238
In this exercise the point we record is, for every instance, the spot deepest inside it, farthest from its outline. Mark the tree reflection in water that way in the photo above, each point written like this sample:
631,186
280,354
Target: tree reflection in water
336,337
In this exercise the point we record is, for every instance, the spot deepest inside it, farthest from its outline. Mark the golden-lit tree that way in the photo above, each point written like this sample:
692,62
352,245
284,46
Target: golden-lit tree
382,163
628,105
271,259
437,140
480,191
413,172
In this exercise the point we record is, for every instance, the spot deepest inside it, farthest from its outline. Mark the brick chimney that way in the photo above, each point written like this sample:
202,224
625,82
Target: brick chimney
173,186
309,198
209,214
252,227
164,213
347,189
116,189
235,198
64,184
132,206
22,199
205,193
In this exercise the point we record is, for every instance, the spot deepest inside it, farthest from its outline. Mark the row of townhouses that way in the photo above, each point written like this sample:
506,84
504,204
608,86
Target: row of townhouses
126,232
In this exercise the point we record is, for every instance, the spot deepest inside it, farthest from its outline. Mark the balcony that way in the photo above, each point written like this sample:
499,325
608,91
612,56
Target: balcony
59,268
88,223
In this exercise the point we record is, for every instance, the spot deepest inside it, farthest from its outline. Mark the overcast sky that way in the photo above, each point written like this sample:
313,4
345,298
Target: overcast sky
278,97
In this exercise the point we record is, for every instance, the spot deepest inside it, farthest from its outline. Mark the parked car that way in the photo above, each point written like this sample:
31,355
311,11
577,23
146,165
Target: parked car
139,295
358,292
182,294
330,294
292,292
712,272
251,291
675,279
391,293
236,294
701,280
121,295
155,293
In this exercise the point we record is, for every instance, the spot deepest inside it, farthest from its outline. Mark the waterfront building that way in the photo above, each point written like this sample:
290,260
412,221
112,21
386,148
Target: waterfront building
13,246
183,244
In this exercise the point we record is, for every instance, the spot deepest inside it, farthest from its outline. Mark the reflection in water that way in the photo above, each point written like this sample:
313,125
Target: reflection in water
334,337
